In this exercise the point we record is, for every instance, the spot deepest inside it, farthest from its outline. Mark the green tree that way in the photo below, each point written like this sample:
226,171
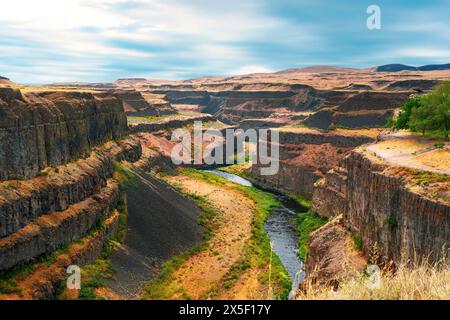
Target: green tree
434,113
429,113
405,114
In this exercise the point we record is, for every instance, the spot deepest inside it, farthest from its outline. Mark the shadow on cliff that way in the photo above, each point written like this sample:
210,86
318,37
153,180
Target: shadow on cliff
161,223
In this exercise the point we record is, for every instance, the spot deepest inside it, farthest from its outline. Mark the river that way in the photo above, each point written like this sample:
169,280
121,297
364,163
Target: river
280,228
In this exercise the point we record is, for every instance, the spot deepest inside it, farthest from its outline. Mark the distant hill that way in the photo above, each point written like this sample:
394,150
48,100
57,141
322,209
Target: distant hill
403,67
4,80
99,85
317,69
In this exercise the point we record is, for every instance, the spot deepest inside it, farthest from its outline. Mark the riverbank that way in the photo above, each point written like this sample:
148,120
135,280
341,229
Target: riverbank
236,261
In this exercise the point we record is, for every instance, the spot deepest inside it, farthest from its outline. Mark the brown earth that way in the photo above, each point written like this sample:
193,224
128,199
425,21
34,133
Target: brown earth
200,275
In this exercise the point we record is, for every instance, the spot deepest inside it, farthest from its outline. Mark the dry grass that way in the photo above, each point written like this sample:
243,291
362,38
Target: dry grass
420,282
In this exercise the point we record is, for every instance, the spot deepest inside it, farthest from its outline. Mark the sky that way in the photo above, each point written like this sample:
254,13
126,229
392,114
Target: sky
44,41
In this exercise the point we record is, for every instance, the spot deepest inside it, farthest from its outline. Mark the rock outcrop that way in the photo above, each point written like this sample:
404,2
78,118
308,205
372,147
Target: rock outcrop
332,255
305,157
43,129
58,229
22,201
394,214
389,210
58,156
168,124
330,193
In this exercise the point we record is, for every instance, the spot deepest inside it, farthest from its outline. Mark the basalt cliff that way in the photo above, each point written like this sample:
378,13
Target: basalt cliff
58,151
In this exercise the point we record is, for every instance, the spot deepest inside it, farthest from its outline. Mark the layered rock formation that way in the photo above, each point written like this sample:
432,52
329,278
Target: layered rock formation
388,209
38,130
403,214
329,194
306,155
140,104
167,124
23,201
61,146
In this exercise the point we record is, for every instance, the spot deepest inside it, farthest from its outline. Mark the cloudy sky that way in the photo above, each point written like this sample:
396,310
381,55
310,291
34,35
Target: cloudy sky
44,41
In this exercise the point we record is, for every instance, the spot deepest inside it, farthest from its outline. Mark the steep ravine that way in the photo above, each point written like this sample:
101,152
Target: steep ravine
161,224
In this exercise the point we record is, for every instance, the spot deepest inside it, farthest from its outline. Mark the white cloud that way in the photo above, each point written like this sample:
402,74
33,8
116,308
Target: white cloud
421,52
249,69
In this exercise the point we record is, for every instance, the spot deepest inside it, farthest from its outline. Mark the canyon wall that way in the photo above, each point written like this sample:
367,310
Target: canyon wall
394,213
43,129
352,106
59,151
305,157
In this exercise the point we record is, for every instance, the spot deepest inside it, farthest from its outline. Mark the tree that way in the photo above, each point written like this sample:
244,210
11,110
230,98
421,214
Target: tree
434,113
405,114
429,113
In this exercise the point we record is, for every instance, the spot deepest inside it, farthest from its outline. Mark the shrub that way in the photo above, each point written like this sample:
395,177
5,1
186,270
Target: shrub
392,221
357,241
427,114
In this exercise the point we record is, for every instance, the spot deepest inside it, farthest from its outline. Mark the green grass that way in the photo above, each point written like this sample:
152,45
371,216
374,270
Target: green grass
357,241
304,201
93,276
241,170
424,178
124,176
122,207
392,221
158,289
258,250
307,223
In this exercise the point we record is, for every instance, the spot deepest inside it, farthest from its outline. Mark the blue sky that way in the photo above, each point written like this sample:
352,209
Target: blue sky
102,40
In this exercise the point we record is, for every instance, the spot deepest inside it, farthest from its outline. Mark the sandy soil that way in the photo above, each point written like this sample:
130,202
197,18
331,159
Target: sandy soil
202,273
414,152
373,133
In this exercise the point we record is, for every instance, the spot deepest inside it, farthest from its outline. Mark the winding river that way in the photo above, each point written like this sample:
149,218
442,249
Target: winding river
280,228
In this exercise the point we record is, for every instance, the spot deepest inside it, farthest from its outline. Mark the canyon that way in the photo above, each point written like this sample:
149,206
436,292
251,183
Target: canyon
71,156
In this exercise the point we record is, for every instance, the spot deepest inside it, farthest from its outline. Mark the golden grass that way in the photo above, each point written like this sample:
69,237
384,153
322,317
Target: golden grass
420,282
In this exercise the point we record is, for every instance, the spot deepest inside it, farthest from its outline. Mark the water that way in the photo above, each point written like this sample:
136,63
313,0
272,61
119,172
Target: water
281,230
231,177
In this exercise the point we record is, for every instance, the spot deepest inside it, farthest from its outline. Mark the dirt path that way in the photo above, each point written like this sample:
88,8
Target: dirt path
201,275
415,152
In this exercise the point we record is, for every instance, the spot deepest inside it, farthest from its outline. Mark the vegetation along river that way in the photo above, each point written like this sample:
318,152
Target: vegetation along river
280,227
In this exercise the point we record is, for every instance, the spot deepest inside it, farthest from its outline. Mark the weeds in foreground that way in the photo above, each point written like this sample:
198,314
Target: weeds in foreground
421,281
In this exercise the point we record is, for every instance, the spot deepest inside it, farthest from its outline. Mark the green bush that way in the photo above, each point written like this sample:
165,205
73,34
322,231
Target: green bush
402,121
392,221
427,114
357,241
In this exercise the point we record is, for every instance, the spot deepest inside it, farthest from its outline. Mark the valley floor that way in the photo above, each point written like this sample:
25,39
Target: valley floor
230,265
